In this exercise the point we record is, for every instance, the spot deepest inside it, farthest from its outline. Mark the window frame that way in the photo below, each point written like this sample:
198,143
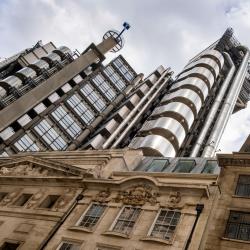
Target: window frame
237,186
182,160
239,224
77,224
12,241
121,234
149,234
72,241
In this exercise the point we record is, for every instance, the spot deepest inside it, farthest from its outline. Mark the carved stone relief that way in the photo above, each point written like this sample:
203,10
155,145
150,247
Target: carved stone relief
10,197
174,200
103,196
138,195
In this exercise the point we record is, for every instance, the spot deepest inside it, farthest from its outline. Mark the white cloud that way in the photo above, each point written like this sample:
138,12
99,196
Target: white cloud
163,32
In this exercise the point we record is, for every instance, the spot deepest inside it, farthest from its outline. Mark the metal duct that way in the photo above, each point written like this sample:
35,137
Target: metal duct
52,57
63,50
38,65
11,81
227,108
25,73
186,96
168,128
3,92
170,122
196,84
213,111
200,72
177,110
154,145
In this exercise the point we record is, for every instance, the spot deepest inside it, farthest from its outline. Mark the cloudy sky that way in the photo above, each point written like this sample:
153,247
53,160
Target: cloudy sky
163,32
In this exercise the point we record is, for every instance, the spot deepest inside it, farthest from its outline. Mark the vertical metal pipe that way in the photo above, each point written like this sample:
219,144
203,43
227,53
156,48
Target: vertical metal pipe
227,108
133,112
131,124
213,111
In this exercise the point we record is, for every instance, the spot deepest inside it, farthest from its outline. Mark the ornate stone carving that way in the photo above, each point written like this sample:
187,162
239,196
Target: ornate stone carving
174,200
138,195
103,196
24,169
65,199
35,198
9,197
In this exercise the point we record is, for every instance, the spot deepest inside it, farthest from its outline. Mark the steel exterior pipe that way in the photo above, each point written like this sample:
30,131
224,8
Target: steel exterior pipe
133,112
131,124
227,108
212,113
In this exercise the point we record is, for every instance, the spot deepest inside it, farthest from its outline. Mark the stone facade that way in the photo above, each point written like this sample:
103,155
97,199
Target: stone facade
228,229
93,200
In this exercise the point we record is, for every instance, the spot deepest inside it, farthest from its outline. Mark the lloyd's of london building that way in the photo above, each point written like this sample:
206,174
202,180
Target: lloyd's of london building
96,156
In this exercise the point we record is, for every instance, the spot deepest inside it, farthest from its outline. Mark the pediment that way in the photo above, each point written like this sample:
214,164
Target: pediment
30,166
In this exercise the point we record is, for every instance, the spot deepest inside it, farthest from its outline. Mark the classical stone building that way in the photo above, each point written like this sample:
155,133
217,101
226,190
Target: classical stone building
230,224
111,199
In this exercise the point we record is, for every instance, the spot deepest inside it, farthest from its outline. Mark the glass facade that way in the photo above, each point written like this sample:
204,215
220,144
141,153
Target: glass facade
184,166
50,136
103,85
66,121
124,69
115,78
81,109
94,98
25,143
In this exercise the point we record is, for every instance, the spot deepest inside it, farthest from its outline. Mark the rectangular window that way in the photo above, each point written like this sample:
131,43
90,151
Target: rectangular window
210,167
165,224
81,109
66,121
104,86
50,201
238,226
22,200
243,186
94,98
50,136
26,143
114,77
126,220
158,165
92,216
69,246
124,69
184,166
10,246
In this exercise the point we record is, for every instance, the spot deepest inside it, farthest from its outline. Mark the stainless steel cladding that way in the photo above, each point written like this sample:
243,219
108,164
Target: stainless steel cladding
154,145
168,128
11,81
38,65
25,73
62,50
3,92
194,83
170,122
52,57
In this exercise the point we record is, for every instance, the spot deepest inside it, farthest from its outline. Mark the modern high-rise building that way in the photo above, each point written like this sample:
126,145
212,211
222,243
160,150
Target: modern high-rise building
55,99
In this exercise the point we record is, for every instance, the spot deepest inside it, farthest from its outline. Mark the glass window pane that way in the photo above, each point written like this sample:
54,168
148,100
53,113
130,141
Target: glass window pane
165,224
158,165
81,109
210,167
25,143
243,186
50,136
126,220
92,216
184,166
66,121
103,85
93,96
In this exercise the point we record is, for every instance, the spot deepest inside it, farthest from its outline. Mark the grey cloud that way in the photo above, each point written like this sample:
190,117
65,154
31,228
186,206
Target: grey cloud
163,31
